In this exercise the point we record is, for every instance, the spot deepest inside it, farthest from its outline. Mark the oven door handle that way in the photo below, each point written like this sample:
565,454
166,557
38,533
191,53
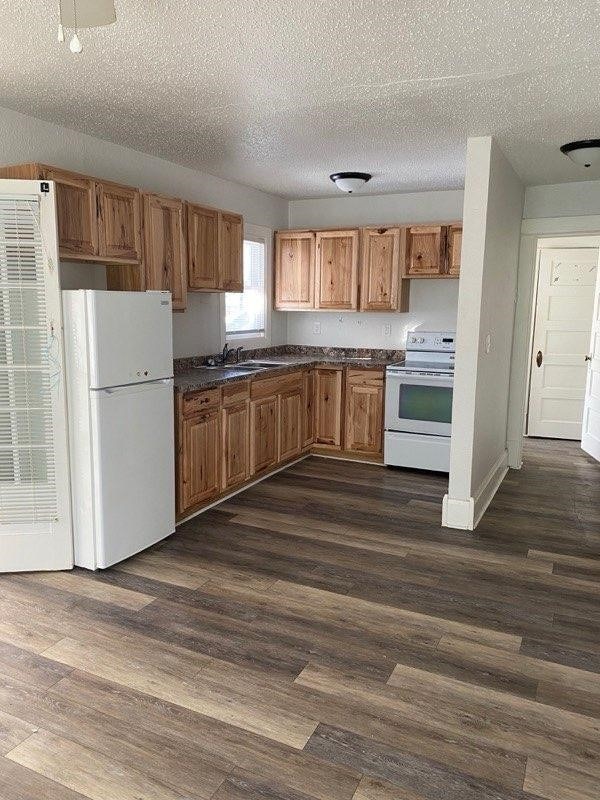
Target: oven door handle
420,380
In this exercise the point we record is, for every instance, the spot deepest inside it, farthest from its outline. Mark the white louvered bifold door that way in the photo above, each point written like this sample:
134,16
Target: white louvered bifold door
35,520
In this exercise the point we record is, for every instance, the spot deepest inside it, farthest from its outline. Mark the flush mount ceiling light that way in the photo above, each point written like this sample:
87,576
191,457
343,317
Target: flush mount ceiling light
585,152
77,14
350,181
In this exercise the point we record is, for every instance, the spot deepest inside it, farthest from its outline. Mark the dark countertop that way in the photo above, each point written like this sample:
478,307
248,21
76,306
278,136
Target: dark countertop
198,378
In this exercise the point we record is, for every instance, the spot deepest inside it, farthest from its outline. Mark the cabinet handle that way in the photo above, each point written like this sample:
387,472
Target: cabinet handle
539,358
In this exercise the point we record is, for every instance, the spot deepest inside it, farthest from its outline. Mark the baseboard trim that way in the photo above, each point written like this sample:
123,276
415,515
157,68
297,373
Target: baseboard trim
457,513
489,486
466,514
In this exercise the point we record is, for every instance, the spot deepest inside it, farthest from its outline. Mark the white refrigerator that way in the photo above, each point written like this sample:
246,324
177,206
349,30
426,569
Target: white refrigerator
119,366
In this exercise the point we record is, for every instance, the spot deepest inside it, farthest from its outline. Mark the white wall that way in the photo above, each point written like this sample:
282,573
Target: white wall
433,304
580,198
492,216
197,331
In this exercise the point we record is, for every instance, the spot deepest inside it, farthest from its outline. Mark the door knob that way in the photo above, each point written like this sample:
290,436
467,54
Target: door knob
588,358
539,358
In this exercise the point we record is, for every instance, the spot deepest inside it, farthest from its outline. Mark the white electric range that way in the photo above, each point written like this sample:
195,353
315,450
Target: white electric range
418,403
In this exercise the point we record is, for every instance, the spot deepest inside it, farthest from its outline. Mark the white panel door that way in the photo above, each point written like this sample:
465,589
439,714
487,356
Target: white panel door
590,434
563,318
35,501
134,469
130,337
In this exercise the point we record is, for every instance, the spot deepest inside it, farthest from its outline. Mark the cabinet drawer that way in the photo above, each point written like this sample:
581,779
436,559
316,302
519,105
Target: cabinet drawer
266,387
235,393
364,377
200,401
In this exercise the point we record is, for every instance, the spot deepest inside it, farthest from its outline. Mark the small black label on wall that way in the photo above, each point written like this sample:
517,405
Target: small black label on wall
44,187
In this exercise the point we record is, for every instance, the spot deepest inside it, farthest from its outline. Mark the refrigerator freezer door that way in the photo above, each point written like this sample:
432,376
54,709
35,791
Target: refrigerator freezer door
130,337
133,466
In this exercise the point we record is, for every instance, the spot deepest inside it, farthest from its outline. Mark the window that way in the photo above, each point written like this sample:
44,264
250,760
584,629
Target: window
246,313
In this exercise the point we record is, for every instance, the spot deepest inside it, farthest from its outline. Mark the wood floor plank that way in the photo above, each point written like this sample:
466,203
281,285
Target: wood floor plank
77,583
13,731
19,783
376,789
86,771
197,692
559,782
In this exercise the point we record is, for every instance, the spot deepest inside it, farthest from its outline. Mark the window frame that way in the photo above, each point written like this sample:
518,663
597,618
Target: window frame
255,233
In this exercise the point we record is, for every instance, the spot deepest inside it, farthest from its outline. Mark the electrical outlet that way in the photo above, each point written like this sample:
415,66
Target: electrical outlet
387,329
317,328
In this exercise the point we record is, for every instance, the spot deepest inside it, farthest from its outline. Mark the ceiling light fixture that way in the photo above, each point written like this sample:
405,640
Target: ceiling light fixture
77,14
584,153
350,181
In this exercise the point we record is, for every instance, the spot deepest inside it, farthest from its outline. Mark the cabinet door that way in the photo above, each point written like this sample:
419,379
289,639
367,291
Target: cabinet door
231,242
380,276
328,407
236,444
203,248
119,222
76,212
308,408
201,449
337,269
294,270
165,254
454,250
290,424
364,411
425,251
263,434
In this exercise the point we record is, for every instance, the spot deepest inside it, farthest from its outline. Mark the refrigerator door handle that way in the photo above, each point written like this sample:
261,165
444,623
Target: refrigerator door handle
129,386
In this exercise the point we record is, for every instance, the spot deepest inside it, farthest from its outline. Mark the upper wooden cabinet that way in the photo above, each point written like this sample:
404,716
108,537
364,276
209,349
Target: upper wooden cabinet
433,251
231,245
337,269
76,212
215,248
119,221
294,270
380,286
166,261
203,248
454,234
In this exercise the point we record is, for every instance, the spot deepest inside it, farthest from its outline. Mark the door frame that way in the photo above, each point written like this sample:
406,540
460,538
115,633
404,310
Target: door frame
555,232
566,242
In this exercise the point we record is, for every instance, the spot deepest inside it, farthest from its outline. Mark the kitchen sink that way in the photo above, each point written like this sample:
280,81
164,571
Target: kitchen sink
260,364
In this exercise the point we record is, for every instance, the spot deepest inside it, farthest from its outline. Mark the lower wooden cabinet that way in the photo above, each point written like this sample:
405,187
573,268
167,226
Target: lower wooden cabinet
263,433
364,411
200,459
290,424
235,425
308,408
228,435
328,407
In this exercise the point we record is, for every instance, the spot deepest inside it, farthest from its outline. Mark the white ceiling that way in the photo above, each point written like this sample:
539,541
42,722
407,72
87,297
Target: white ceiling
277,94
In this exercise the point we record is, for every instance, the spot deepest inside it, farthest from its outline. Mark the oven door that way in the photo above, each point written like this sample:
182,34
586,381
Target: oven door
419,403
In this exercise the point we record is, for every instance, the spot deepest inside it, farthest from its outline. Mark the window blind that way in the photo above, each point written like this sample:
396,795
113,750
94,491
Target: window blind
245,311
28,368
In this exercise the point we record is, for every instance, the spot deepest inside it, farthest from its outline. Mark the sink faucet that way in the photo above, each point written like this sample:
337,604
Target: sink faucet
225,352
238,351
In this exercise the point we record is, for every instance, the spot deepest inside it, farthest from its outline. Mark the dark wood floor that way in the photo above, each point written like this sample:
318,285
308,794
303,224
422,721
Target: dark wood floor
321,636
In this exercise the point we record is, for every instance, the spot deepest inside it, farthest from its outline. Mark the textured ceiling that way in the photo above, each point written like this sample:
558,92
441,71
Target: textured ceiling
277,94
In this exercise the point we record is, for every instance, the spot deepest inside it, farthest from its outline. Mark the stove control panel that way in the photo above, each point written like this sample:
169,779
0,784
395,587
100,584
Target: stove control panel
433,341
